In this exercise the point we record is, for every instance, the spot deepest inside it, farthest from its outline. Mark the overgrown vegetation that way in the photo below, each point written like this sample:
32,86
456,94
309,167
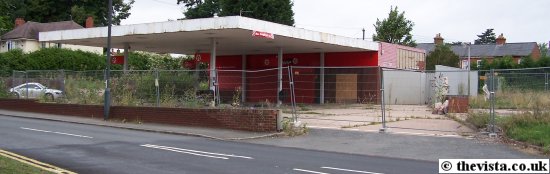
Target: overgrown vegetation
513,99
293,130
533,128
531,125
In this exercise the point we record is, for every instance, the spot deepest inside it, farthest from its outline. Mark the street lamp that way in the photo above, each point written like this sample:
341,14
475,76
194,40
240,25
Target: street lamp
469,45
107,94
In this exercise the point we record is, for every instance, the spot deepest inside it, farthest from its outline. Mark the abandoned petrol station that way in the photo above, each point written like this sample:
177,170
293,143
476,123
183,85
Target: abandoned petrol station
235,46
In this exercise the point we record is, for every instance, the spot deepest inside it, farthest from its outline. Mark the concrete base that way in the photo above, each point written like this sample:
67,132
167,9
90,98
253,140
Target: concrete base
298,124
493,135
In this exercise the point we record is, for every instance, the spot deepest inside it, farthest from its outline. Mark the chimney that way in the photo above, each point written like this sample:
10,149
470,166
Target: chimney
501,40
438,40
19,22
89,22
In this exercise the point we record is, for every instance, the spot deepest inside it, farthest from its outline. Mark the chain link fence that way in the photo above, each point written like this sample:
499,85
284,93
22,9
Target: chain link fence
151,88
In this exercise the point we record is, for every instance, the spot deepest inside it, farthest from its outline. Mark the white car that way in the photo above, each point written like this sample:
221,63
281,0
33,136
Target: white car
35,90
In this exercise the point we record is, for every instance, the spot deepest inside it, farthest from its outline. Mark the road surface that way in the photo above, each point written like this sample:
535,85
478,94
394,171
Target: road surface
95,149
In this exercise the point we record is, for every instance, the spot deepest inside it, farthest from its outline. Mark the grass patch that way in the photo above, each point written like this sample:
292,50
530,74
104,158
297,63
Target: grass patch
8,165
527,127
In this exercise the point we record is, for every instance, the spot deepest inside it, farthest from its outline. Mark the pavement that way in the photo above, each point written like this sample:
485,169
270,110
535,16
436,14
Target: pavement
408,119
213,133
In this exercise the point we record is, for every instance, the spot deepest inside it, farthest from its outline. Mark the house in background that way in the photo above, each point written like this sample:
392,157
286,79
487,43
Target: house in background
25,36
489,51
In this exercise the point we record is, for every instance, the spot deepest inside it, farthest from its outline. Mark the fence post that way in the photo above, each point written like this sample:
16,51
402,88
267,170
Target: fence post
26,85
382,101
545,81
292,96
63,80
492,112
157,86
216,89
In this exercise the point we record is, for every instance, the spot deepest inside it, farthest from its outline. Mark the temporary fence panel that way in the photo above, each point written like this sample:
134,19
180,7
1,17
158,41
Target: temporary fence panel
337,96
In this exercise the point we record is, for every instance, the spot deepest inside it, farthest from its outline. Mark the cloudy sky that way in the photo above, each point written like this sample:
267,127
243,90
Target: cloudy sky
456,20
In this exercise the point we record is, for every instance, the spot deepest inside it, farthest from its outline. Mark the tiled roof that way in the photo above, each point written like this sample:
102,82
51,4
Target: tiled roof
487,50
30,30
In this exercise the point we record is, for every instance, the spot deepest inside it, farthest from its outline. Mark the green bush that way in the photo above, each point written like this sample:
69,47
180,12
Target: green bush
76,60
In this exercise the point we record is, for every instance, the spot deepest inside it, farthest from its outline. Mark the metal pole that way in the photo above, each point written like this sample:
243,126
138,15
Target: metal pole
469,69
217,88
546,82
157,86
213,68
322,80
243,80
292,95
492,95
27,85
363,33
107,100
382,101
279,76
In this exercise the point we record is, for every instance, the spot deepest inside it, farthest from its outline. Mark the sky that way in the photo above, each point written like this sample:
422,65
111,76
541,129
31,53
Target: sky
456,20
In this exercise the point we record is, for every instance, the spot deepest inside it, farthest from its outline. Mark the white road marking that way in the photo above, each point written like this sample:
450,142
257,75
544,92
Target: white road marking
349,170
61,133
308,171
191,153
196,152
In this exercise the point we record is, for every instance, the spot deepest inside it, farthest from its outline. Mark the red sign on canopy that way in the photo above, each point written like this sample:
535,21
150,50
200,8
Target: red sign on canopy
117,60
263,34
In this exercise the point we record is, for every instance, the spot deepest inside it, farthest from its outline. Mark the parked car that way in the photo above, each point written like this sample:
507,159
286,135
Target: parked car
35,90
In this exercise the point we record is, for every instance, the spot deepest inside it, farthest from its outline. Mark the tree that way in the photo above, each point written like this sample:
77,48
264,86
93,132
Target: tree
200,8
506,62
543,47
442,55
487,37
278,11
76,10
527,62
484,64
394,29
544,62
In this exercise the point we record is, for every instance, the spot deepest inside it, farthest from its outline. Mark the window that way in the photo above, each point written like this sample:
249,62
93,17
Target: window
42,44
519,61
58,45
465,64
478,63
11,45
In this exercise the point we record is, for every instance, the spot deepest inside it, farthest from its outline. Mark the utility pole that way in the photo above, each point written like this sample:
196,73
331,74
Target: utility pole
469,67
363,33
107,94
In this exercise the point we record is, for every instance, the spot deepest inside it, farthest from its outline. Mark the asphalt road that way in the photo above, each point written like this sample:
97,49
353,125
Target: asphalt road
94,149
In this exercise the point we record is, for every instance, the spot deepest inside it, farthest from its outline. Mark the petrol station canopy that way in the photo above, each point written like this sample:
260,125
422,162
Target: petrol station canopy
233,35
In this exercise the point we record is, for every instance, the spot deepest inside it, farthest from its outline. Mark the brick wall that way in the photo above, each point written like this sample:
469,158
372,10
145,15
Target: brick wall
237,119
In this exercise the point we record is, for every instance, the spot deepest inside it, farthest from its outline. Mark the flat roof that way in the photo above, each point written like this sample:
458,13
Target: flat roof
233,35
